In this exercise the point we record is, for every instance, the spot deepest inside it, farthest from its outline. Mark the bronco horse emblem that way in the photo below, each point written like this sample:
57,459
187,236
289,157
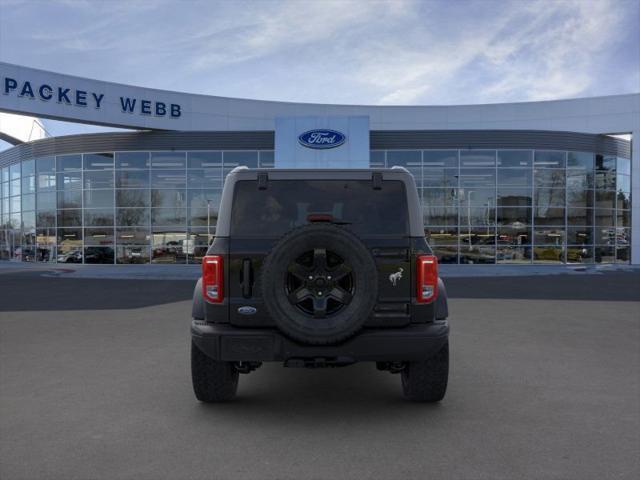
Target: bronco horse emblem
394,277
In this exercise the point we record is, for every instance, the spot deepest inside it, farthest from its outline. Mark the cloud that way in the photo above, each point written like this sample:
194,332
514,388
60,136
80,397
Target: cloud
338,51
554,54
292,24
533,51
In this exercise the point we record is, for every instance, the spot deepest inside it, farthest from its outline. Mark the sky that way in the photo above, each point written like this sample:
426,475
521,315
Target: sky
387,52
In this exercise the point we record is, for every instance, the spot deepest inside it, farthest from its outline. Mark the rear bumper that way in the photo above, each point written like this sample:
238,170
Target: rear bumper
412,343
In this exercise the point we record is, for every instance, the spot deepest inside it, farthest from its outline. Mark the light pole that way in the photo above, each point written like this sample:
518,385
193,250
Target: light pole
487,214
469,217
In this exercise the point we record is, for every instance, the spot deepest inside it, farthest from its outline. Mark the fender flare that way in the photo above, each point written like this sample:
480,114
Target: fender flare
197,308
442,307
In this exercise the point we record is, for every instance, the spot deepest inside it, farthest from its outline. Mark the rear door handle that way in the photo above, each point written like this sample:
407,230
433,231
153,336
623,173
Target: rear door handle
246,278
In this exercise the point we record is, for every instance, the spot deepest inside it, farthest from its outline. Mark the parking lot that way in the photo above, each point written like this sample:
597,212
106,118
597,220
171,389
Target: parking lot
95,384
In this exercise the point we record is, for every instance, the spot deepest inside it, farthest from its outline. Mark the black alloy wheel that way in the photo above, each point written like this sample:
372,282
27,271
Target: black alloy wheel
320,283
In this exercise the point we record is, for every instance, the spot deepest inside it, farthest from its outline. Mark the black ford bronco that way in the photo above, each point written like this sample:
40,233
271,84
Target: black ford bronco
319,268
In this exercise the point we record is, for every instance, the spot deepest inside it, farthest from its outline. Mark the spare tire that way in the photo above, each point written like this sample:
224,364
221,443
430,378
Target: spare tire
319,283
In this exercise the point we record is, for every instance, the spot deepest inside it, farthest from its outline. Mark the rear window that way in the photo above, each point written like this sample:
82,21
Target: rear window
286,204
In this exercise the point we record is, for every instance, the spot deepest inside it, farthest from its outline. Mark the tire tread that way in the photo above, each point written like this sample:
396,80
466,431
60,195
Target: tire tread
213,381
426,381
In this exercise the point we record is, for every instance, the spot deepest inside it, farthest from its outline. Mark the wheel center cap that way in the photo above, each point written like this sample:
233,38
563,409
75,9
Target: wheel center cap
320,282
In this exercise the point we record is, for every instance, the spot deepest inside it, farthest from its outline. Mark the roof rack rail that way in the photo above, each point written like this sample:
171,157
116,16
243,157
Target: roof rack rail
400,167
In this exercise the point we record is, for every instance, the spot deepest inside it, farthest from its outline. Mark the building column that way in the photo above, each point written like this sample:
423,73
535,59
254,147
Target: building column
635,197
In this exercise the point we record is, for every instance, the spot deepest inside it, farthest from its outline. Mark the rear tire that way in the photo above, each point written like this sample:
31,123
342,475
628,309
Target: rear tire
426,381
213,381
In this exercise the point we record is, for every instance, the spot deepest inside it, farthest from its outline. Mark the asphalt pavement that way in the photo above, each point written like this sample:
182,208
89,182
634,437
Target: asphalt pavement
95,384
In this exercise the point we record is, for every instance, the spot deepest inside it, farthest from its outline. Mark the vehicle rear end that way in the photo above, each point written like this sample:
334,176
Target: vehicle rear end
319,268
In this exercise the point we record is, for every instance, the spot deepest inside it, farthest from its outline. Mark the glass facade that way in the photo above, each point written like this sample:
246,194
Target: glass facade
479,206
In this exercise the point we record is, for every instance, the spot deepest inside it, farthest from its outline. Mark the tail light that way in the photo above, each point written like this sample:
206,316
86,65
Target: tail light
212,278
427,278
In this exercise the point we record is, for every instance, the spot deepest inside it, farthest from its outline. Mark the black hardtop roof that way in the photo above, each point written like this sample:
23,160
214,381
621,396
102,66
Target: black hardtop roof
396,173
268,174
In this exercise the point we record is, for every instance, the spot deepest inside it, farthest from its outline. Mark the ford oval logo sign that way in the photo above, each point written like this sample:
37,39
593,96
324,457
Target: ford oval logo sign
247,310
322,138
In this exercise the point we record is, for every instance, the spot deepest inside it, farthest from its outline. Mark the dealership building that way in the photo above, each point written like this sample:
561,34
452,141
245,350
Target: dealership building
516,183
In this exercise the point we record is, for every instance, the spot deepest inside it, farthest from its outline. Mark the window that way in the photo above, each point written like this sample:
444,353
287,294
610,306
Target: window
203,198
442,236
579,198
169,198
581,160
69,162
623,183
98,236
549,236
433,215
28,168
132,178
477,177
580,179
169,217
409,159
133,236
205,160
132,217
440,177
477,158
267,159
29,202
514,176
205,178
552,178
132,253
69,199
98,199
440,159
96,217
28,184
376,158
168,179
605,163
234,159
514,234
549,159
46,182
14,187
514,158
580,235
132,198
97,161
287,204
168,160
46,218
510,216
70,218
514,197
69,180
439,196
45,165
132,160
98,179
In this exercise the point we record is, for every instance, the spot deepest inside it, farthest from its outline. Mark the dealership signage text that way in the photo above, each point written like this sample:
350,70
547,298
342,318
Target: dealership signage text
82,98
